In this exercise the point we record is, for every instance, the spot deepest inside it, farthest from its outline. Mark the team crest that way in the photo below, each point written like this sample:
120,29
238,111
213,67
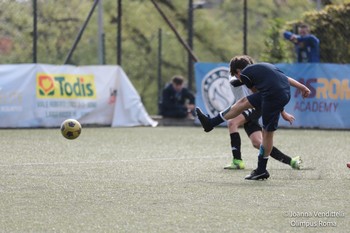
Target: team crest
216,90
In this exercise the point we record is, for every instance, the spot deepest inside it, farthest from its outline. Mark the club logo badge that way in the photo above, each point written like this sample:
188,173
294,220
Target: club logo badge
216,90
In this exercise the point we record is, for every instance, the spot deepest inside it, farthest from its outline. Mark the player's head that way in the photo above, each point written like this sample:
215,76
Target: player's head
238,63
177,82
303,29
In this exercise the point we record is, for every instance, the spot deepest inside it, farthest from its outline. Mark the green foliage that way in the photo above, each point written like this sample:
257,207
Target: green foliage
332,27
275,50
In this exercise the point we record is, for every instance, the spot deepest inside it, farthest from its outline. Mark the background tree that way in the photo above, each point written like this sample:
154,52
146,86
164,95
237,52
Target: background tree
275,50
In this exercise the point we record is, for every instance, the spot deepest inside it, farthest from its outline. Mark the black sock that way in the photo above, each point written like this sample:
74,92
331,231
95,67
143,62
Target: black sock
236,145
262,161
216,120
278,155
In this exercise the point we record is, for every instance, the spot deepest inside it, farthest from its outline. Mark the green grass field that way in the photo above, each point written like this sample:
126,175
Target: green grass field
169,179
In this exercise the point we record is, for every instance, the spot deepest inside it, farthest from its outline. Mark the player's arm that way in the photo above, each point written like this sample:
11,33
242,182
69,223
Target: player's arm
287,117
304,90
236,82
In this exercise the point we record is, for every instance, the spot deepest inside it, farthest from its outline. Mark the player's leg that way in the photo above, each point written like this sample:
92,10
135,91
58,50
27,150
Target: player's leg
264,151
294,162
253,130
270,116
235,140
229,113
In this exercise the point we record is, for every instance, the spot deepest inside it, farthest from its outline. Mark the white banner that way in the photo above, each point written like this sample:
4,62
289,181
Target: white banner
40,95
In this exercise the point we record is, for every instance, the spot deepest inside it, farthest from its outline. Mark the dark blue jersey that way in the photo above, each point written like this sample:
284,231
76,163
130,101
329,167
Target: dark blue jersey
266,78
273,91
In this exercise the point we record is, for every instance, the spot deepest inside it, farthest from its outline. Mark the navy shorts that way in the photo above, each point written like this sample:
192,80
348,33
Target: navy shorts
270,107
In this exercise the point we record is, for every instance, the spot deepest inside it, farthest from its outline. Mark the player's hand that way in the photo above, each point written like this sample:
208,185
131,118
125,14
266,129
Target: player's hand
287,117
305,92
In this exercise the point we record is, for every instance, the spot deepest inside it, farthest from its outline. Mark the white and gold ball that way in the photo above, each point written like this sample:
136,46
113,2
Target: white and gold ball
70,128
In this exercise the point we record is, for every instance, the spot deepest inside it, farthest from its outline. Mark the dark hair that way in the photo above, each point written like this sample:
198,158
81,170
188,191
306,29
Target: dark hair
240,62
178,80
303,25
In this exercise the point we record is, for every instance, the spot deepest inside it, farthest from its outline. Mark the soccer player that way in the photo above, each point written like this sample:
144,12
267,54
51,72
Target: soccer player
271,88
249,119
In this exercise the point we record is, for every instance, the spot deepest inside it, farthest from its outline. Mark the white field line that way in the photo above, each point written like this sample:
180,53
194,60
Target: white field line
110,161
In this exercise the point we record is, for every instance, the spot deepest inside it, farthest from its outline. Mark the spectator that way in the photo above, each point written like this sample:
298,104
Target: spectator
177,101
307,46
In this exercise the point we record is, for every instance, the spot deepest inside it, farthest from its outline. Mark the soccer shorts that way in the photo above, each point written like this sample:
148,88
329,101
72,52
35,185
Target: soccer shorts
270,108
252,117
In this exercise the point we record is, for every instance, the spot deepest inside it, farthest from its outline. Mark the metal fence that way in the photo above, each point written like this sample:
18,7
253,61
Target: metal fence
58,23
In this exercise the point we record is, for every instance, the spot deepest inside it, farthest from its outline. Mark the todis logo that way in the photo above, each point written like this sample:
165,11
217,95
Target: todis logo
216,90
65,86
46,85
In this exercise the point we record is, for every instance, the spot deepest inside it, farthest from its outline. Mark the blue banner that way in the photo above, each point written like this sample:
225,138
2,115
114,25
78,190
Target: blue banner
328,106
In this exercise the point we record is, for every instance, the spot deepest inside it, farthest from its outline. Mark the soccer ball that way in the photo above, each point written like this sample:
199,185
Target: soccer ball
70,129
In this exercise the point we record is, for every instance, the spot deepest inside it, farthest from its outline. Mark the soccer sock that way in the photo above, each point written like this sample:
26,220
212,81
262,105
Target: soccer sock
262,161
277,154
219,118
216,120
236,145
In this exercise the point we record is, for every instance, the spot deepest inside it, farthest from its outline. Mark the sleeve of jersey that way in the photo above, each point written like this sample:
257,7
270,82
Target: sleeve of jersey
310,38
246,80
287,35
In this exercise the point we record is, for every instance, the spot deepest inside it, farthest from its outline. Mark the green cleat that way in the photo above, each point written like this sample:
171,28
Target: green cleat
236,164
295,163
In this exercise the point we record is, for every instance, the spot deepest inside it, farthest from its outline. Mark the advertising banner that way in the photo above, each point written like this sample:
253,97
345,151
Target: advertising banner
40,95
328,106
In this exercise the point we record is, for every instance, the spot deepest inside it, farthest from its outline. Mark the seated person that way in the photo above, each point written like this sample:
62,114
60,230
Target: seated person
177,101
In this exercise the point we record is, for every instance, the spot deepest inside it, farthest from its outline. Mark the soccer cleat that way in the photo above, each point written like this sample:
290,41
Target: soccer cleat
255,175
295,163
236,164
204,119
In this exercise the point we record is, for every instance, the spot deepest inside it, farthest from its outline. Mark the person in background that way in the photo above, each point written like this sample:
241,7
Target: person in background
177,101
307,46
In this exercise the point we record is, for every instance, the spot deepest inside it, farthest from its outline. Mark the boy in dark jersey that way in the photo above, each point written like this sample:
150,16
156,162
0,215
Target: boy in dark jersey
249,119
271,88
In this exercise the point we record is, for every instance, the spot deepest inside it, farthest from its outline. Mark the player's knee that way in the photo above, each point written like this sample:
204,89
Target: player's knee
256,144
232,125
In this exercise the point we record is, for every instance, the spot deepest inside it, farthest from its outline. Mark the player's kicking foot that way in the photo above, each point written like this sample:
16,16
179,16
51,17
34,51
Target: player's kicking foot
255,175
236,164
204,119
295,163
